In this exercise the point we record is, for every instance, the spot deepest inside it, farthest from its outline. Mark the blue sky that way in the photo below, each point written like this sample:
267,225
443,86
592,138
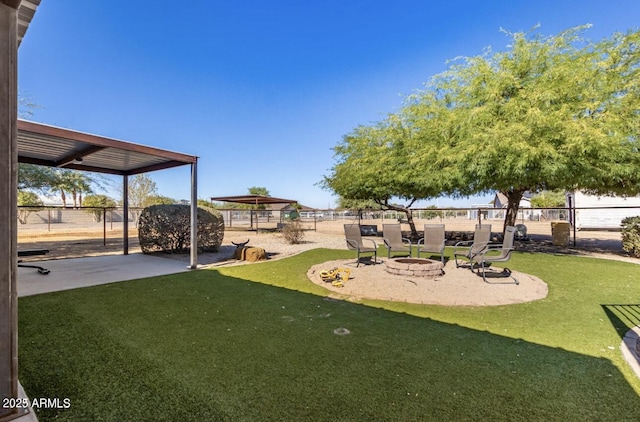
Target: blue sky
262,90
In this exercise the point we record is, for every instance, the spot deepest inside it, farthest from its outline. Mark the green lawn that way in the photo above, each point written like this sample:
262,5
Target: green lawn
257,342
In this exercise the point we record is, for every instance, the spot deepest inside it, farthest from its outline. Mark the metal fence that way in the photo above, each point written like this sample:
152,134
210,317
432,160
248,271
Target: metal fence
100,230
68,232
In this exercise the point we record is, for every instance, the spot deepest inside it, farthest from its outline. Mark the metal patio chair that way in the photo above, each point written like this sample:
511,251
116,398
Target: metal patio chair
356,243
468,249
433,240
393,240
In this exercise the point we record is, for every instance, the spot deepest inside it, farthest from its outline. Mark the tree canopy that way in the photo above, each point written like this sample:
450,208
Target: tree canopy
549,113
27,203
548,199
97,202
142,190
50,181
258,190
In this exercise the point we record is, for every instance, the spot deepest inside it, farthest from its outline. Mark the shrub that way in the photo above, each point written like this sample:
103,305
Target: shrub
167,228
631,235
30,200
292,232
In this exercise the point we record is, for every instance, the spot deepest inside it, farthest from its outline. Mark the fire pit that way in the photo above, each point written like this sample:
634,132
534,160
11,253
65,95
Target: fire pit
414,267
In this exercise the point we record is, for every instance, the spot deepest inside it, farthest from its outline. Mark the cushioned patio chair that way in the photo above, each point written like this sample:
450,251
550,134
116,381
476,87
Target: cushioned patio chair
468,249
393,240
433,240
355,242
497,253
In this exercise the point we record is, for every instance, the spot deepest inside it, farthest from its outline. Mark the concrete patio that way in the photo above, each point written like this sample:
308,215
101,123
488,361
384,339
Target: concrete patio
75,273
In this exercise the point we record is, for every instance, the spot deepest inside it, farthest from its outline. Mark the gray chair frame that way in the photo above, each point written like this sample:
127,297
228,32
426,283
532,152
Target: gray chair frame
393,240
468,249
485,258
355,242
433,240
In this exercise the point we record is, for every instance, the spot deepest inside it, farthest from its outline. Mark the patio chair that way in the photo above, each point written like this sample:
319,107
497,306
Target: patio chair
393,240
433,240
355,242
468,249
487,256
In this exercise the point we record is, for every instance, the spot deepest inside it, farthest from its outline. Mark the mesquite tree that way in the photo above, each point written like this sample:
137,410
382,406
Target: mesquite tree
374,163
549,113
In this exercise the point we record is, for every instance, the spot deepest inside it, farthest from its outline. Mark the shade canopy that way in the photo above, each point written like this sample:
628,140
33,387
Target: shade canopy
25,14
57,147
254,200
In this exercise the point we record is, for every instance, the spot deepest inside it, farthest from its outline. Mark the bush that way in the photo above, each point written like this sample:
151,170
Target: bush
30,200
631,236
292,232
167,228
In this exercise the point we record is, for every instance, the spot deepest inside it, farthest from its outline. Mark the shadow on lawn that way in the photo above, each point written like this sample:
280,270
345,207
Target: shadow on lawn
623,317
203,346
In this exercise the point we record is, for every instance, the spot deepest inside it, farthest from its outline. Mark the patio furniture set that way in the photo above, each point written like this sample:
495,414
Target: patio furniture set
480,253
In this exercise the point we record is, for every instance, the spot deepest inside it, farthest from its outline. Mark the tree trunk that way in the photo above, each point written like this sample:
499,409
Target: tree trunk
64,198
412,224
407,212
514,197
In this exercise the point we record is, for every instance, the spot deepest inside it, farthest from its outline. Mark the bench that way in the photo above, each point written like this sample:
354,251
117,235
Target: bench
33,252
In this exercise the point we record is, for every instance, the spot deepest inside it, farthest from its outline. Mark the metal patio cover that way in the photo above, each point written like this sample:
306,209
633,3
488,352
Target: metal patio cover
57,147
254,200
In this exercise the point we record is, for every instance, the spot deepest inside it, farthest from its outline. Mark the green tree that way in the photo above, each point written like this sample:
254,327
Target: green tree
258,190
550,113
39,178
205,203
159,200
79,183
431,213
71,182
61,181
99,202
355,204
375,163
28,202
141,188
548,199
141,191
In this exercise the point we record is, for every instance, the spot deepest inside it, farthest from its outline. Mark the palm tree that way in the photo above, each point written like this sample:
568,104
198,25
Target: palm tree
74,182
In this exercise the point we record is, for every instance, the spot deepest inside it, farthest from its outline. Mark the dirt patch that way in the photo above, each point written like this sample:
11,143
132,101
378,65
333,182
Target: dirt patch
456,287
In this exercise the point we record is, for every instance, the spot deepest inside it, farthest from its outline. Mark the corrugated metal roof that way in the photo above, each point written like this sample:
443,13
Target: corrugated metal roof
57,147
254,199
25,13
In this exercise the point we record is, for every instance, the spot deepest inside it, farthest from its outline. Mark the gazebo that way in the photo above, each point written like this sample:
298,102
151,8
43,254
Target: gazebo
57,147
254,200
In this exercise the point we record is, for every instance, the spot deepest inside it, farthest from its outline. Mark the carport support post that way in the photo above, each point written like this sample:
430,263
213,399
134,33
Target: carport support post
8,204
125,216
194,216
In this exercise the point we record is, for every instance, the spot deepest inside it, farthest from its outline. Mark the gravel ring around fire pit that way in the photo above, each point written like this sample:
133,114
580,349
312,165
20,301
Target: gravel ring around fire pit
457,287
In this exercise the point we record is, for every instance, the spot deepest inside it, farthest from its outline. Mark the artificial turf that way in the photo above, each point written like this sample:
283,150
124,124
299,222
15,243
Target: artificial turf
261,342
